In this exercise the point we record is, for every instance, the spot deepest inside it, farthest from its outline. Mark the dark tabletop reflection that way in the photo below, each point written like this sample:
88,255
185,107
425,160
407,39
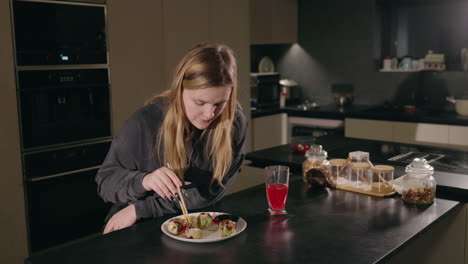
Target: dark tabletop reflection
278,239
323,225
184,252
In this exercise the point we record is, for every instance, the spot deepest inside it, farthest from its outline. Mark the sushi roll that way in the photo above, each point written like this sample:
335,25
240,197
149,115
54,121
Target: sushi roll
193,221
227,227
193,232
175,226
205,220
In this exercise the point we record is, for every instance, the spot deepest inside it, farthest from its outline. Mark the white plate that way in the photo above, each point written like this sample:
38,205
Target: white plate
207,236
266,65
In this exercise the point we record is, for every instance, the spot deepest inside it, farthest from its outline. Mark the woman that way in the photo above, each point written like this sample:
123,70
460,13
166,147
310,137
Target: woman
195,129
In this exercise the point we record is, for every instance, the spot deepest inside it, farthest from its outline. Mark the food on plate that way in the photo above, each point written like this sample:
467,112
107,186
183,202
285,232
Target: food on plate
193,220
227,227
205,220
222,217
175,226
202,224
193,232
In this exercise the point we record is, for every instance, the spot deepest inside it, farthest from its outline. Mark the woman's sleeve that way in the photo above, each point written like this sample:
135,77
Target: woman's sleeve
120,179
156,206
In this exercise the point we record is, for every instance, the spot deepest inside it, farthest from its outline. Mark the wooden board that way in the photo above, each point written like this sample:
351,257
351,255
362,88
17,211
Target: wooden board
346,188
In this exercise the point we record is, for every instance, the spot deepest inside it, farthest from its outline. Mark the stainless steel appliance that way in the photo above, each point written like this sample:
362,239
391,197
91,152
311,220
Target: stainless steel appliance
292,90
265,89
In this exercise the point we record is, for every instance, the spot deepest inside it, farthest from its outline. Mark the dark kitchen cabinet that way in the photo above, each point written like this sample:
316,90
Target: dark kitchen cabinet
63,209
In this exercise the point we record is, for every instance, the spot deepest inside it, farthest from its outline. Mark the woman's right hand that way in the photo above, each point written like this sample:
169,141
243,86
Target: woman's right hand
163,181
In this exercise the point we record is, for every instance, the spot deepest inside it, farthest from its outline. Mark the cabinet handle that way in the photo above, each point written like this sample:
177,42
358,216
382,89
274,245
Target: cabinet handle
62,174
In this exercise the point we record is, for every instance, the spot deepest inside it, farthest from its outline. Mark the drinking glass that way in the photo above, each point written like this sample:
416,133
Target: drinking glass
277,186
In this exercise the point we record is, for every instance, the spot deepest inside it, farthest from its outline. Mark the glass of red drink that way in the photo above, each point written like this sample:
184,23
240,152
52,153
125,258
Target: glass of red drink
277,186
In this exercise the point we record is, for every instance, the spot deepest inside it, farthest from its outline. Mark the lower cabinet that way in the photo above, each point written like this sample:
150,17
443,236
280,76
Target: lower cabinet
458,135
368,129
466,234
63,209
247,177
420,133
444,242
406,132
269,131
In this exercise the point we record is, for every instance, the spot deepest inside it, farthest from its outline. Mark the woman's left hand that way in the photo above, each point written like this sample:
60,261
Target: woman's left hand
122,219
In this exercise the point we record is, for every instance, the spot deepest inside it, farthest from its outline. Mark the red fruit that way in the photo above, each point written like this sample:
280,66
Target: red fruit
306,148
300,148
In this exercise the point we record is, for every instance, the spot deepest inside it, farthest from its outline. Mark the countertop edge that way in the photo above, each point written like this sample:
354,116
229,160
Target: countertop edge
405,244
363,112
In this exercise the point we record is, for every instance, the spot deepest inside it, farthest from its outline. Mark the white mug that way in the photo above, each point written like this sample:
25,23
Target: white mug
387,64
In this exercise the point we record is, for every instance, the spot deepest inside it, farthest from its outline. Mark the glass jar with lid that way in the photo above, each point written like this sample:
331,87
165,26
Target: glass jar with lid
360,175
419,186
316,165
382,177
338,175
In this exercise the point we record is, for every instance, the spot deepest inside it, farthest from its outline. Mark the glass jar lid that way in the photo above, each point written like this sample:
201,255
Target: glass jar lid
419,166
316,153
337,162
360,166
382,168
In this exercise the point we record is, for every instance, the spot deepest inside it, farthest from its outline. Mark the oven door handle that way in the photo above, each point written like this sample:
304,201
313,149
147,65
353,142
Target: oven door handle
62,174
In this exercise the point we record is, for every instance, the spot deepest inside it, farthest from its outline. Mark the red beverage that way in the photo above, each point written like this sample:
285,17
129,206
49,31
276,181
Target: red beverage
277,194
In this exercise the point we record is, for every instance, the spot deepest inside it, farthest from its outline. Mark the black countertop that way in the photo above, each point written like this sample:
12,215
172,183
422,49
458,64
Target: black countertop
326,111
383,112
451,170
323,226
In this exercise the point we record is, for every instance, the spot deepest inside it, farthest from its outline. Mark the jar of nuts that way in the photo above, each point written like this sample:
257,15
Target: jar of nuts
419,186
315,169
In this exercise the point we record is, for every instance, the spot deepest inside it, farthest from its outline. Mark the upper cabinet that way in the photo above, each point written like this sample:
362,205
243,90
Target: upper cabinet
185,23
135,52
147,40
273,21
412,28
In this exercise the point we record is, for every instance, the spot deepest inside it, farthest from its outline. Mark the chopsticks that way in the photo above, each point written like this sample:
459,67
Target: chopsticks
183,207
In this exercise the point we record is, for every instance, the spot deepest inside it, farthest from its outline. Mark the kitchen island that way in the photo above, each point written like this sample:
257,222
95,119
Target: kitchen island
323,226
451,173
451,166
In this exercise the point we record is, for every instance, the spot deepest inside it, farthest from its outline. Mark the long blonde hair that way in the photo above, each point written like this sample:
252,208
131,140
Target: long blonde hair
204,66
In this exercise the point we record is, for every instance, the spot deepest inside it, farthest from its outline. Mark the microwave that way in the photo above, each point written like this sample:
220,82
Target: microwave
265,89
59,33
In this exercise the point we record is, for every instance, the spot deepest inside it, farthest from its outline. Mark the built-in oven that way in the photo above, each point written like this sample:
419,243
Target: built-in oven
301,128
63,106
59,32
63,94
62,200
